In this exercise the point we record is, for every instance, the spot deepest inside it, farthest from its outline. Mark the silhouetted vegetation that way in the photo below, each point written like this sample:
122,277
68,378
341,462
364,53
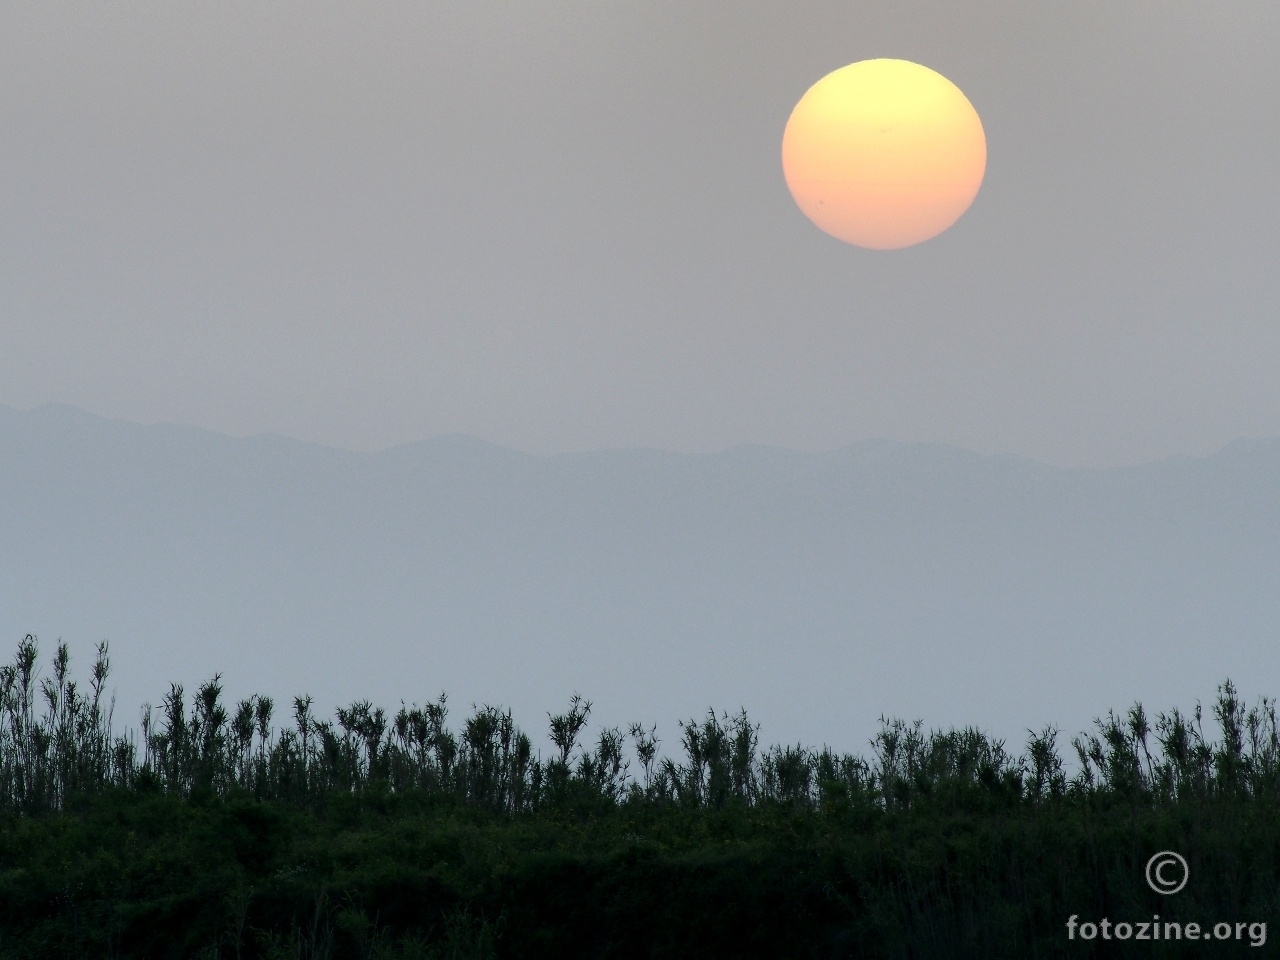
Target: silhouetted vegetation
216,830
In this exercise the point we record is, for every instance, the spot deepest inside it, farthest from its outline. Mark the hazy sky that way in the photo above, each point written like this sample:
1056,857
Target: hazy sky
563,225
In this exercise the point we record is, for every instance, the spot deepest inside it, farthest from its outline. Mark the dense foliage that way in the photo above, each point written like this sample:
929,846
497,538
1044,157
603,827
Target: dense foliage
211,832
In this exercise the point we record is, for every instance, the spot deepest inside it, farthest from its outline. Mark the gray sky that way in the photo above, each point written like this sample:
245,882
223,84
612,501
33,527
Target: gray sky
563,225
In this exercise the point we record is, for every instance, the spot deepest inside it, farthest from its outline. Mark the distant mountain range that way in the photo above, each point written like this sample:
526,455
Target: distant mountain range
816,590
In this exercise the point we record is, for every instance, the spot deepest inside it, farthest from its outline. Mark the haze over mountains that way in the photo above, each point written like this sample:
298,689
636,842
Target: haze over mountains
816,590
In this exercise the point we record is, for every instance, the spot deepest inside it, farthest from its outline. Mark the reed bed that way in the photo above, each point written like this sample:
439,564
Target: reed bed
218,830
58,745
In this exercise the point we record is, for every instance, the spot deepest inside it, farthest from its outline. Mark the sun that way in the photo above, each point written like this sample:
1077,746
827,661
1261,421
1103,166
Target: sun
884,154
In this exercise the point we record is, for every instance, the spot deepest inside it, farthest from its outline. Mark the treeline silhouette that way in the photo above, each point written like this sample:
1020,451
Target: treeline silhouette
219,830
57,742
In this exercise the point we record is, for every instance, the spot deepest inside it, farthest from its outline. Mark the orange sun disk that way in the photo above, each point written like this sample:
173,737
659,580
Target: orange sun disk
884,154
